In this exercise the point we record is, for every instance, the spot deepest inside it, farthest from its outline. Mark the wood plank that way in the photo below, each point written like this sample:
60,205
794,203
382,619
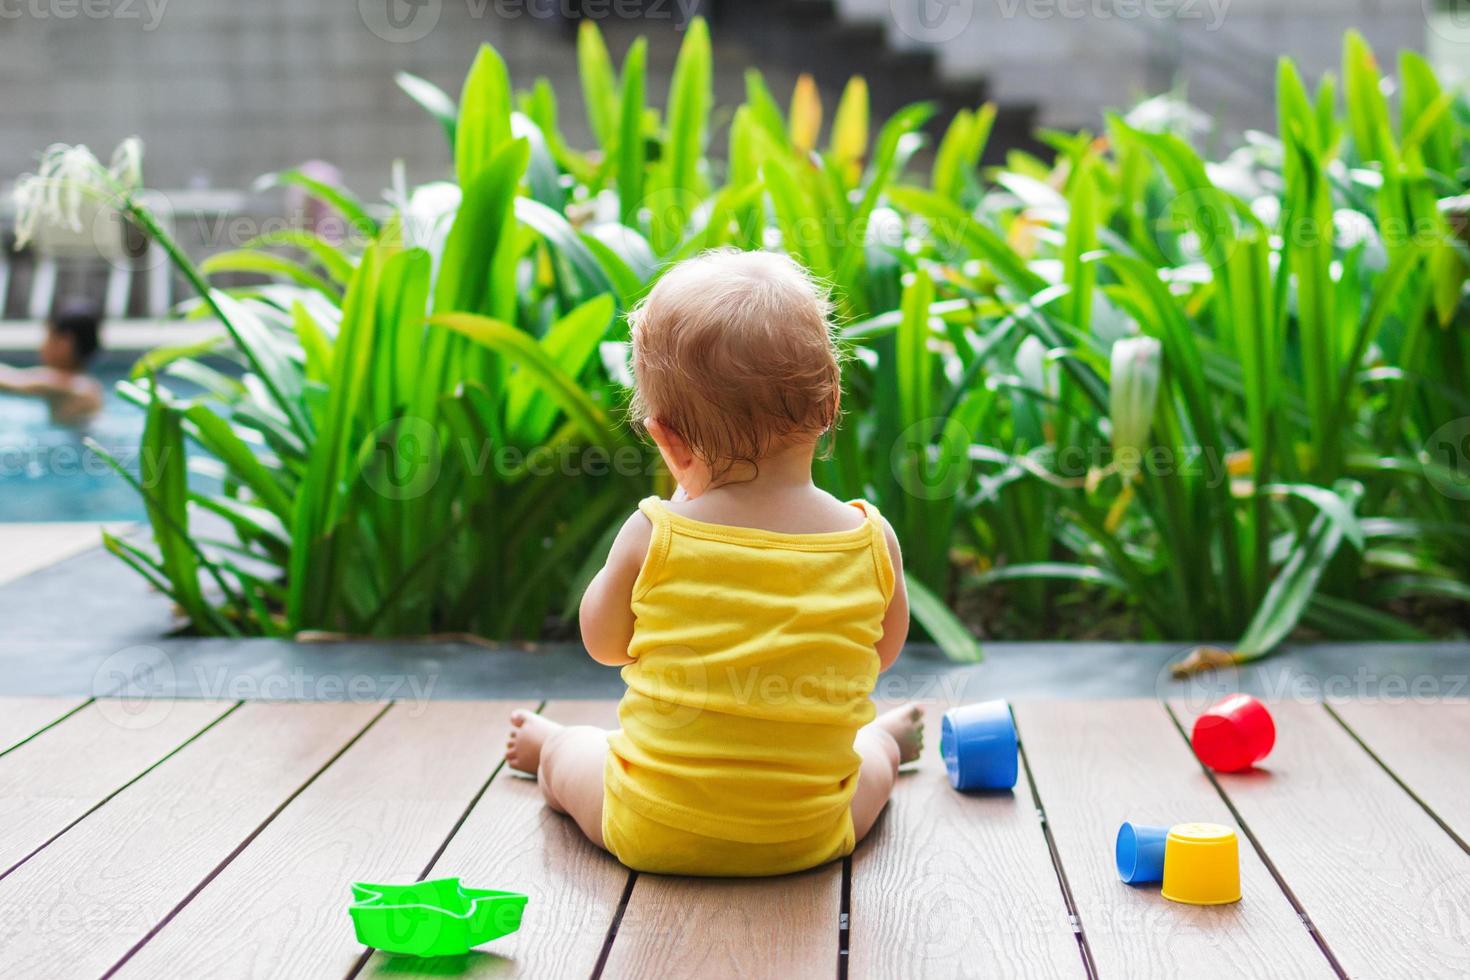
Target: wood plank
1384,885
20,718
1098,763
726,927
102,886
512,841
1424,745
730,927
29,547
954,884
56,777
379,813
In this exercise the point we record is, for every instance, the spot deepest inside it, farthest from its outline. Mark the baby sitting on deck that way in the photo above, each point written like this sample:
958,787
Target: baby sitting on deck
751,613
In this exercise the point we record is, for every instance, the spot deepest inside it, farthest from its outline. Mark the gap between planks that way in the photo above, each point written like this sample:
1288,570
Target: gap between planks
1432,760
1098,763
510,839
956,884
26,718
246,842
105,873
1089,962
1341,830
134,747
379,812
1260,849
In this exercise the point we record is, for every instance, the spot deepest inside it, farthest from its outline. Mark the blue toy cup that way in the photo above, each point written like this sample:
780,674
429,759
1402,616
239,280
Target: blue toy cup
1140,853
978,742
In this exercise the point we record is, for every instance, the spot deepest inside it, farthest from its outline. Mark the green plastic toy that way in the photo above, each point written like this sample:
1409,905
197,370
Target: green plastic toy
432,918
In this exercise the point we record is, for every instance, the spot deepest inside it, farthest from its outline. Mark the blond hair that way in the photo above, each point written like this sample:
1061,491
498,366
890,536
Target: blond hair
733,351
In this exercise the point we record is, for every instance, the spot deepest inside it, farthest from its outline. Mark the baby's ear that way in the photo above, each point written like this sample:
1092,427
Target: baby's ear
669,442
683,465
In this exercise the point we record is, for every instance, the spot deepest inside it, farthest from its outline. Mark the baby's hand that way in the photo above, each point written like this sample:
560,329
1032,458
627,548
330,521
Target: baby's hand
679,493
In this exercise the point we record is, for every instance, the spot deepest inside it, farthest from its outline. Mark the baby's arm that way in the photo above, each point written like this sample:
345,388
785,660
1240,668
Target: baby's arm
34,381
896,619
606,617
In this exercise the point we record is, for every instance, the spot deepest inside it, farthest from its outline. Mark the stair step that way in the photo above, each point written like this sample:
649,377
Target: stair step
811,11
811,36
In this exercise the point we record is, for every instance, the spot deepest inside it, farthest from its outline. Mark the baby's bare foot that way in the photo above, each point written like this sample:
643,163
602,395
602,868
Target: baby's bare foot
906,725
528,732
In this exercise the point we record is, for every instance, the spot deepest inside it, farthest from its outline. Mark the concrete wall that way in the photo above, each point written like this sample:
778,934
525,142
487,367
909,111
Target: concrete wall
224,90
1076,58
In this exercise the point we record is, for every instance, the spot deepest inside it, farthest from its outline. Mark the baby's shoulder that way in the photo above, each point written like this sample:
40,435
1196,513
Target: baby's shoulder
632,541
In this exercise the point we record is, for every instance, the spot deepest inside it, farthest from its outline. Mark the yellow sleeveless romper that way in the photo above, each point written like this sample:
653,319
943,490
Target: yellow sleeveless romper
753,661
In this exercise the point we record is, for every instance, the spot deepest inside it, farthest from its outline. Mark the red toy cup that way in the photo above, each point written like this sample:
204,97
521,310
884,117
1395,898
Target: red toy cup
1234,734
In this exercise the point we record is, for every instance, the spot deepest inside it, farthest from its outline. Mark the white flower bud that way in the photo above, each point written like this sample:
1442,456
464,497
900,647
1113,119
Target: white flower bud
1136,364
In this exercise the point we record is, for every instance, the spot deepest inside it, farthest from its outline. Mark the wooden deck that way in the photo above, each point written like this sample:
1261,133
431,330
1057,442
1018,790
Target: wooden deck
200,839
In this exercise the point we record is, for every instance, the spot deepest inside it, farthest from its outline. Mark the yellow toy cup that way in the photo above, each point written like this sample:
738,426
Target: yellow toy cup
1201,864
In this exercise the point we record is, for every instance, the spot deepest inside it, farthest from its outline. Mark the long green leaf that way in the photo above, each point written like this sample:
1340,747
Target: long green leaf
434,100
958,643
529,356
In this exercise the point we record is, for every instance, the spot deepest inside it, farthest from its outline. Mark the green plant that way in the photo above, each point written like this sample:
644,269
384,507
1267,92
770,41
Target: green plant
1201,393
392,460
1273,335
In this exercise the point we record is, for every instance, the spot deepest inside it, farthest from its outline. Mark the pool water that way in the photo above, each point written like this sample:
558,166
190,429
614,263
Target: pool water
46,471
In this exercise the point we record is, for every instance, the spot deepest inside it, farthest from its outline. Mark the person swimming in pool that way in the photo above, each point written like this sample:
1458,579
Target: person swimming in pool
61,378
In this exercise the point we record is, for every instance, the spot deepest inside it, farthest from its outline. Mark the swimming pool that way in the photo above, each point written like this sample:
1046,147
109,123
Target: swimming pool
48,474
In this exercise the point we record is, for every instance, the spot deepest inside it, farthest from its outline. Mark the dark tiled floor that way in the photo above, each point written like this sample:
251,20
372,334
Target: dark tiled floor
88,626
